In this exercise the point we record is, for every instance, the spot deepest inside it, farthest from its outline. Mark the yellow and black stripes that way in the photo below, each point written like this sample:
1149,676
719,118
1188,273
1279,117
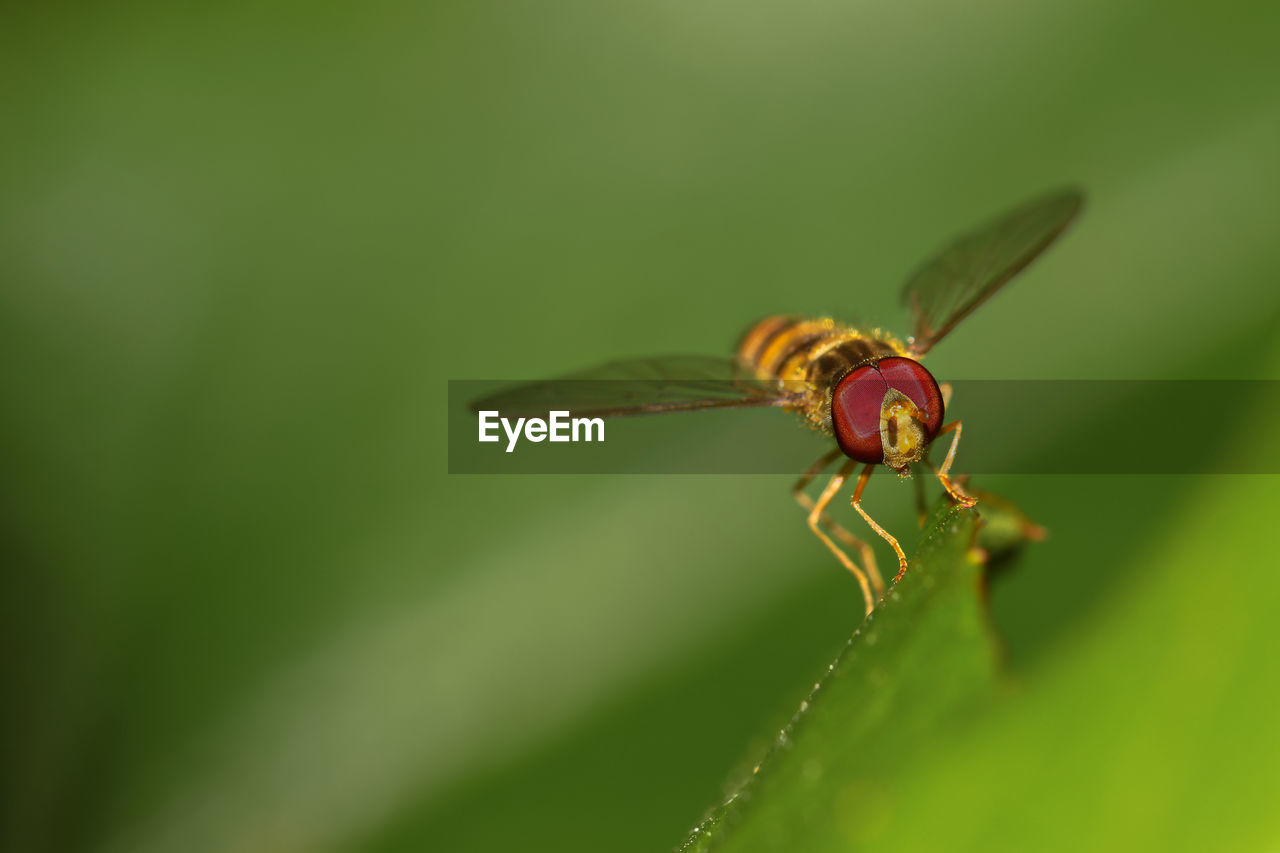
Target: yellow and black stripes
817,351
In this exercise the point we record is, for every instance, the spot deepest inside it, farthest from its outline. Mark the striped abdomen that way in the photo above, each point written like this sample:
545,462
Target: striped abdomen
817,351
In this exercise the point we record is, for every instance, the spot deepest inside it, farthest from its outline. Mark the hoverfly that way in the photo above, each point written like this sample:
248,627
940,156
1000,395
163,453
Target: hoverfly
864,388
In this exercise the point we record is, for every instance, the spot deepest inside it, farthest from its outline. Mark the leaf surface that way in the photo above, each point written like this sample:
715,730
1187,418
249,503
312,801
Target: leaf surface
925,657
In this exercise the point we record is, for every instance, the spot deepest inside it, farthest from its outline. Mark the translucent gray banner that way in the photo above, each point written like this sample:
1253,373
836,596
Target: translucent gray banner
1010,427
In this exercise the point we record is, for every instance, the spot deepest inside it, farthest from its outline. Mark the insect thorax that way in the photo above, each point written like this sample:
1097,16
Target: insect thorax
816,351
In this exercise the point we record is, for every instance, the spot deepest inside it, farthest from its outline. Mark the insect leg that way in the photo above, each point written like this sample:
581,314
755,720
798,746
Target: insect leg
815,516
838,531
957,494
807,477
884,534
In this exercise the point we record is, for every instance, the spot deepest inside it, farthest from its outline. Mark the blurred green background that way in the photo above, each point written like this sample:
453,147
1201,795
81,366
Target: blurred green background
243,248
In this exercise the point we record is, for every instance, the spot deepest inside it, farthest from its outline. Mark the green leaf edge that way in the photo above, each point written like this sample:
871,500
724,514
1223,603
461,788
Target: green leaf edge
944,547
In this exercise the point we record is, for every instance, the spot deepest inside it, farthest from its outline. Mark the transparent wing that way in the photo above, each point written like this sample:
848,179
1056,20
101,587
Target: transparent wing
963,276
641,386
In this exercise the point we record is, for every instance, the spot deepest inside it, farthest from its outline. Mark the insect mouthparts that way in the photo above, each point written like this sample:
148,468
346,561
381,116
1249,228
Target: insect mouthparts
902,431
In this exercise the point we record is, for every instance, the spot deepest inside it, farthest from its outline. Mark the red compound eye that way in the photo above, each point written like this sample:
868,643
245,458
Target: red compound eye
855,405
855,413
918,384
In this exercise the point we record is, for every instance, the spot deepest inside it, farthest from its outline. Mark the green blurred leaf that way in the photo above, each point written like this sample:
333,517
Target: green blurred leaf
920,660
